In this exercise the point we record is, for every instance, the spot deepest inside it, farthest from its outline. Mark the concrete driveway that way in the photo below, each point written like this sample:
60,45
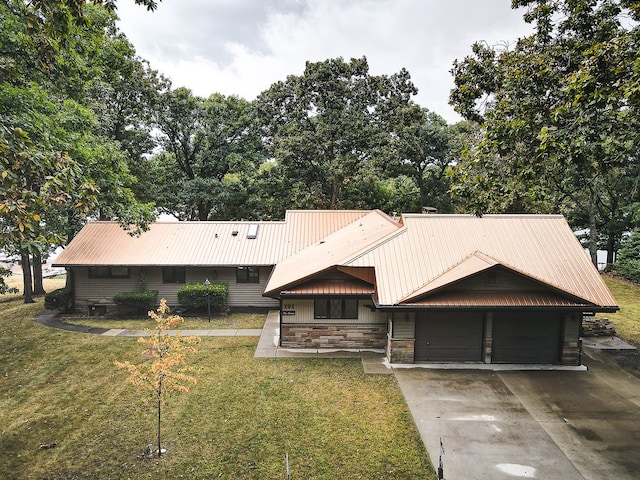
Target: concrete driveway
529,424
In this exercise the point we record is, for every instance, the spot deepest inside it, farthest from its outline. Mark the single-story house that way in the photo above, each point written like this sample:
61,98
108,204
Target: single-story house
426,288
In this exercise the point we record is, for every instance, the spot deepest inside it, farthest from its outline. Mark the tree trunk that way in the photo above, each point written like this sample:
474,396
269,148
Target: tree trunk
159,413
203,211
38,287
334,194
611,254
593,228
26,278
423,189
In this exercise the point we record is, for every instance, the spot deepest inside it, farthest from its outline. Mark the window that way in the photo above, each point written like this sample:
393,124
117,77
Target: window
343,308
108,272
173,275
248,275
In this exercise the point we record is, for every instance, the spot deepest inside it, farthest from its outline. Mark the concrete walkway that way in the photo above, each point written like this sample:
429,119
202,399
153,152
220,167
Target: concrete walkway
373,361
50,319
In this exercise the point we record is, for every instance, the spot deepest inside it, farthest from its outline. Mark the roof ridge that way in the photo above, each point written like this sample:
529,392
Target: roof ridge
419,291
488,215
402,229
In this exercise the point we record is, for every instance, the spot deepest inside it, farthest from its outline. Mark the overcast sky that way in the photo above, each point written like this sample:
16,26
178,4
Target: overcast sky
241,47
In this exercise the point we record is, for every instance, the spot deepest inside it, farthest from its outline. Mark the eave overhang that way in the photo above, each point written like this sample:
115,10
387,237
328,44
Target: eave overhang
440,292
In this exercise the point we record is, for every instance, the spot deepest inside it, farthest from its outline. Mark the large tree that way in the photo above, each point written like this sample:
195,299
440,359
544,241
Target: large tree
58,167
560,129
424,147
330,129
210,146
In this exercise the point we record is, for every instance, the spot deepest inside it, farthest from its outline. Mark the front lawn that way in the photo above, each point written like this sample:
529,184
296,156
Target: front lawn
62,388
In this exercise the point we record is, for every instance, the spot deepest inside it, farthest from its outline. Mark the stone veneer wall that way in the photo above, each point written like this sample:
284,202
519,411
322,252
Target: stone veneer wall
571,353
400,350
333,336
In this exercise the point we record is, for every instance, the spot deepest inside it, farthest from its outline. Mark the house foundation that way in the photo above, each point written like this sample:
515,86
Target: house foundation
400,350
333,336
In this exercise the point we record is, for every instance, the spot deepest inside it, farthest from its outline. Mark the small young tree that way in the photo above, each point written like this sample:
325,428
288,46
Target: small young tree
166,367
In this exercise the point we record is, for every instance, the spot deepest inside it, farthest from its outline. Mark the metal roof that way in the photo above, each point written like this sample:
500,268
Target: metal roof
327,287
432,251
462,299
331,251
411,261
203,243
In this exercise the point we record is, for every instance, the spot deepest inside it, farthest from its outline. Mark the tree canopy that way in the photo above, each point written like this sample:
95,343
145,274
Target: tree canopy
59,165
330,129
559,113
89,131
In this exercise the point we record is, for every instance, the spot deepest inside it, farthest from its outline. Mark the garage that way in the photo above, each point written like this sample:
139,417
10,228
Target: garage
526,337
449,337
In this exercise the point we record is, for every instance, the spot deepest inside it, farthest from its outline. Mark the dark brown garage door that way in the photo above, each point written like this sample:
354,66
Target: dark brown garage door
520,337
449,337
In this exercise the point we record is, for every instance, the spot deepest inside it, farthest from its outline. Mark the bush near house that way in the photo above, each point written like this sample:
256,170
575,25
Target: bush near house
136,302
59,299
193,296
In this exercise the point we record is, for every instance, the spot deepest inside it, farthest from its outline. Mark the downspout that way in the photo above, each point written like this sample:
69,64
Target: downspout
280,322
71,285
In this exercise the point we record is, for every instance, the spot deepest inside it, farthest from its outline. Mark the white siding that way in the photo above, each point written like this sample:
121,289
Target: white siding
404,325
240,294
91,291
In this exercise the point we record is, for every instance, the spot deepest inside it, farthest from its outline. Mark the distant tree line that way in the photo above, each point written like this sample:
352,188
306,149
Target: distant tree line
89,131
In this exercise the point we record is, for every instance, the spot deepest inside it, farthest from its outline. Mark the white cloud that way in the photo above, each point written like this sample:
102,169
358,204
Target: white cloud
242,47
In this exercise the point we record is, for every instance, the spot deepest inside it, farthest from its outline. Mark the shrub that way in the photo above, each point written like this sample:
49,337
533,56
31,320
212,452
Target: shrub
628,261
136,302
60,299
194,296
4,288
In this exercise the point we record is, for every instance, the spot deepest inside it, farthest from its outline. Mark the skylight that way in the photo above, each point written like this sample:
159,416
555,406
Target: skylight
253,230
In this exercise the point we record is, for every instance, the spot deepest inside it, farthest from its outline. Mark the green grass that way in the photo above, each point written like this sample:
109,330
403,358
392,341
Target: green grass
232,321
237,422
627,319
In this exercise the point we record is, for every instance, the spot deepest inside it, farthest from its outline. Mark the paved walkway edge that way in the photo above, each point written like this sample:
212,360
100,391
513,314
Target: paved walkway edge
50,319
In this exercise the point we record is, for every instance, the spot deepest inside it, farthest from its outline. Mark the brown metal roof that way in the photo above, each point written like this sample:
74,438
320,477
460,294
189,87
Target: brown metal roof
203,243
432,251
475,263
461,299
415,259
331,251
329,287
